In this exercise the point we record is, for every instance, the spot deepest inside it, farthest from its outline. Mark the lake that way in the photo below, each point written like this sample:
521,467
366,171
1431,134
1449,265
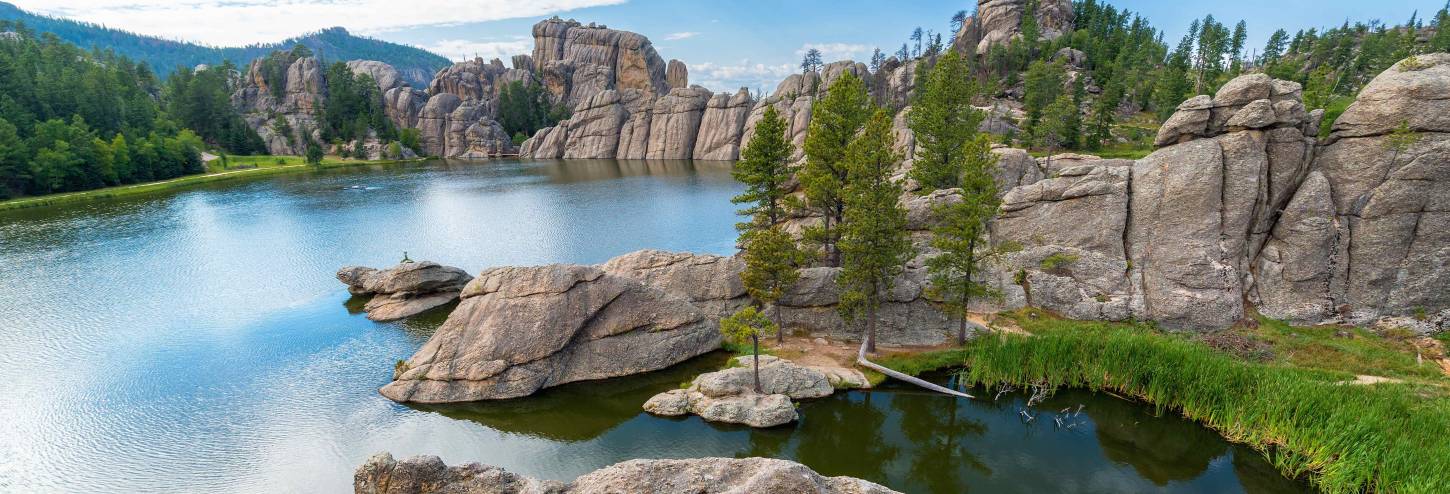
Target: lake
197,341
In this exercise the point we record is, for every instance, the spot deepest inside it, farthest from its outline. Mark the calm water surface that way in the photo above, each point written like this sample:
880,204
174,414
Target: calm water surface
197,341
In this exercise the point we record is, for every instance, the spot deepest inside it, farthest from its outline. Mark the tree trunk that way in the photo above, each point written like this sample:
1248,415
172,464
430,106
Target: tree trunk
870,328
966,288
861,359
779,328
755,342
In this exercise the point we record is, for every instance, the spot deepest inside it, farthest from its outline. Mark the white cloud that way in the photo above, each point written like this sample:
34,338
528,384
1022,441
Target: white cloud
681,35
239,22
733,76
831,52
461,49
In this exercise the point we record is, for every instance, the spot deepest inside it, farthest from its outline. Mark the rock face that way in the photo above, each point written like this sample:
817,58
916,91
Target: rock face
454,117
999,21
383,74
522,329
1389,236
293,100
722,126
428,474
1240,208
404,290
729,395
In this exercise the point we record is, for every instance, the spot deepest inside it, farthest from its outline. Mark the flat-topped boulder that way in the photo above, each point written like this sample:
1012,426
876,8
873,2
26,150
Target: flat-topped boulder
405,290
522,329
729,395
428,474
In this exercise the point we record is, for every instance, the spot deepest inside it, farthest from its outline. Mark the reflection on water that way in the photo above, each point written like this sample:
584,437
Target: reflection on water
196,341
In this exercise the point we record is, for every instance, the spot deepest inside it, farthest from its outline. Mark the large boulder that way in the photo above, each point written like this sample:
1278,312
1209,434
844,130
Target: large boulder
522,329
1388,192
382,474
383,74
593,130
404,290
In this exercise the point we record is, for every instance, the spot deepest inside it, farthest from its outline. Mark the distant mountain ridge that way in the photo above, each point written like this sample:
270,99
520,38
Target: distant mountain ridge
416,65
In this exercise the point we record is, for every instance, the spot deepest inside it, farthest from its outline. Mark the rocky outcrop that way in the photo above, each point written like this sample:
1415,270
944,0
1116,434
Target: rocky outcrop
729,395
522,329
455,116
383,74
381,474
1000,21
1389,237
677,75
404,290
283,111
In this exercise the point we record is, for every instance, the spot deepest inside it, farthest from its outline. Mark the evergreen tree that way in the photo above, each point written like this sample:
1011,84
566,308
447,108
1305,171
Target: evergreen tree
1042,86
943,120
1056,127
961,235
916,36
772,265
811,62
748,324
835,119
875,244
314,153
764,168
1275,47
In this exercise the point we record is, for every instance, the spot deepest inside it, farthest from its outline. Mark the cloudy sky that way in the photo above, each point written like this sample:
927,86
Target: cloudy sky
727,44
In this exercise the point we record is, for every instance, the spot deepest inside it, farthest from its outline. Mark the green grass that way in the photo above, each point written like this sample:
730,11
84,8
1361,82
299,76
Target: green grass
1360,352
1347,438
292,164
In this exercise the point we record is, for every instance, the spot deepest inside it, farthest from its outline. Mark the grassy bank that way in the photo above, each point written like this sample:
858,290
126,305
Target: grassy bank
239,167
1277,388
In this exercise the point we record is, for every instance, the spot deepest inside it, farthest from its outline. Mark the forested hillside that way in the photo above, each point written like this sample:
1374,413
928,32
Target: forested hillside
74,120
164,56
1133,74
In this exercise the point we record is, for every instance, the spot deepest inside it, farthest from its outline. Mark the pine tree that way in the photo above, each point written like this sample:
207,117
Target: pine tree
961,235
943,120
748,324
811,62
764,168
1056,127
874,244
835,119
1042,86
772,265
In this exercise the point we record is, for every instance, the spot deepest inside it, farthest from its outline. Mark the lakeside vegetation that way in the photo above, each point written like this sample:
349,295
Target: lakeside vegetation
1286,391
240,167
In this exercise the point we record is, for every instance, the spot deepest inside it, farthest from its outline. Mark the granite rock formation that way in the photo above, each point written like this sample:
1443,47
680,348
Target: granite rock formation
729,395
1000,21
404,290
522,329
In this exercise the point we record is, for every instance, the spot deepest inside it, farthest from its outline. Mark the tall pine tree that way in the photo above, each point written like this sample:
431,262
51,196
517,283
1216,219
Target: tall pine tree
943,121
835,119
874,244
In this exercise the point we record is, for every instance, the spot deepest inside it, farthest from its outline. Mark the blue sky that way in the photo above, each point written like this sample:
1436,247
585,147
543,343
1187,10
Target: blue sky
727,44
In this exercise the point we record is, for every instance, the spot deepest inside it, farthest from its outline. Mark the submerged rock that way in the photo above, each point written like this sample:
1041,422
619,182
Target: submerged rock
428,474
729,395
404,290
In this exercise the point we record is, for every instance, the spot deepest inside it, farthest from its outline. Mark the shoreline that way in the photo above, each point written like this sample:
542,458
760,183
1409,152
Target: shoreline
121,191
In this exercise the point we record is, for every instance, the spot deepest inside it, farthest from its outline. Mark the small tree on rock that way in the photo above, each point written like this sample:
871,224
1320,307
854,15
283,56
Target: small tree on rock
748,324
